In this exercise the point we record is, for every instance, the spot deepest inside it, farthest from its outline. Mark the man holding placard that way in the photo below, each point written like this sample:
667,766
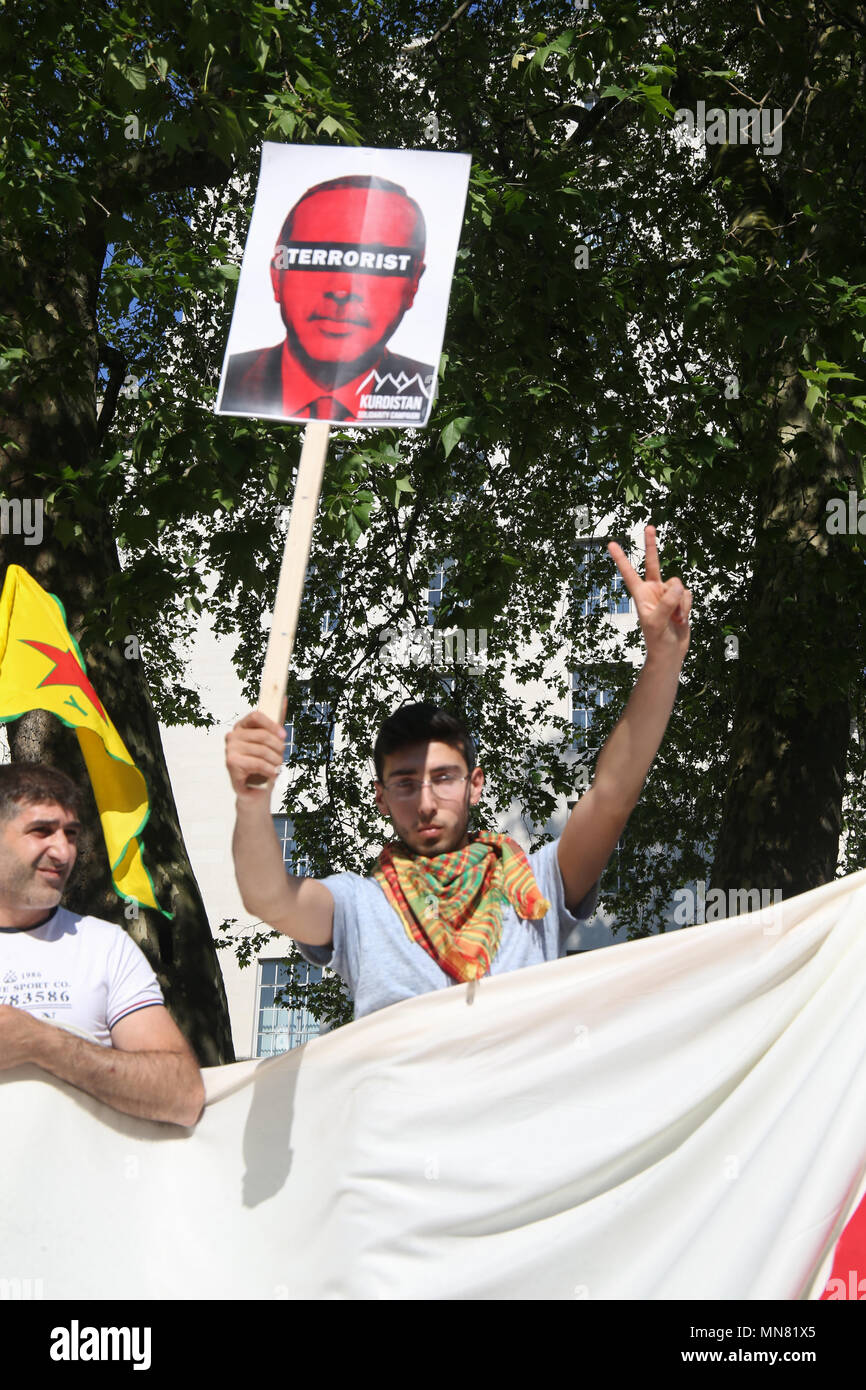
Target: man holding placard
445,905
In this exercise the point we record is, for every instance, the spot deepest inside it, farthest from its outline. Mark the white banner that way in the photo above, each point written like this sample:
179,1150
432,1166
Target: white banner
678,1117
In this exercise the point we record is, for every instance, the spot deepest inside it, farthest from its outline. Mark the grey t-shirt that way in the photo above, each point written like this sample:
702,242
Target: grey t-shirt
381,965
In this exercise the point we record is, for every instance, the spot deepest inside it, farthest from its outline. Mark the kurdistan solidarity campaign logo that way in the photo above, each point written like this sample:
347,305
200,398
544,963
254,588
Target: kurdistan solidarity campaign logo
380,396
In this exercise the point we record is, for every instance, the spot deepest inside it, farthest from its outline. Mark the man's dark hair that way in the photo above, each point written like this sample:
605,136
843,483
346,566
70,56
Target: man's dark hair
421,724
419,235
30,783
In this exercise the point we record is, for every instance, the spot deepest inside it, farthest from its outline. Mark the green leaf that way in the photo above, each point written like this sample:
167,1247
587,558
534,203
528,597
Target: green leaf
560,45
286,122
136,76
453,431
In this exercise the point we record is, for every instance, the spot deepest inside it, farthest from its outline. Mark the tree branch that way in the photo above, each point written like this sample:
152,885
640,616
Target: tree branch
422,43
117,365
159,173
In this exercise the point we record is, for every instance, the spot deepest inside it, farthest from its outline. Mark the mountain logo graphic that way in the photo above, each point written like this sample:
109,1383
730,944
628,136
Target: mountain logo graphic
399,385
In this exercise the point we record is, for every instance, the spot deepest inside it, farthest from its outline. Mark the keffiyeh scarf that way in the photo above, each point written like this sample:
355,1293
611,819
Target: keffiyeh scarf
451,904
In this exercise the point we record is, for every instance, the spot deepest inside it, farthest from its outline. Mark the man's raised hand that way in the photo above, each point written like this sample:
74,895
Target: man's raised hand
662,606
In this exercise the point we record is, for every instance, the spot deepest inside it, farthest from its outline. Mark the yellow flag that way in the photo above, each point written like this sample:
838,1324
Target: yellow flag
41,667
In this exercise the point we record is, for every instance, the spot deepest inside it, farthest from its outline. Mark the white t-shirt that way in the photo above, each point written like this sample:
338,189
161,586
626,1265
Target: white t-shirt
381,965
80,972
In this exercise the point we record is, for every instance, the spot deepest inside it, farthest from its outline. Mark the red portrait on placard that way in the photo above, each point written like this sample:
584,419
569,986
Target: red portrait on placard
345,271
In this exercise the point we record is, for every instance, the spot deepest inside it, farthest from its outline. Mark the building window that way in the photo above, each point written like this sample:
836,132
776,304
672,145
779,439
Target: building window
587,696
315,746
329,603
329,619
611,596
436,588
331,611
279,1029
297,864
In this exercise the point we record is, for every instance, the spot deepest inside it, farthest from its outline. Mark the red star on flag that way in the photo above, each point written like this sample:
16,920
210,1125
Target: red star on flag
67,672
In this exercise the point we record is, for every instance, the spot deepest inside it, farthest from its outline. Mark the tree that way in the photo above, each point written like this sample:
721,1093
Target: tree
785,299
116,120
701,367
633,330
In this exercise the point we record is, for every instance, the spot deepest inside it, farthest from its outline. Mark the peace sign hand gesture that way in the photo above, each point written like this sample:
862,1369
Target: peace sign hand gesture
662,607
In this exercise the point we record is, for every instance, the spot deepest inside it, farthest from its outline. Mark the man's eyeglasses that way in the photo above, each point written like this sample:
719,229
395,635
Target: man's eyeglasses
445,786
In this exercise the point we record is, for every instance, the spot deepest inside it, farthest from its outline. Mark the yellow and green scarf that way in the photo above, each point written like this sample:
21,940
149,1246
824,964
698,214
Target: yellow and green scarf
451,904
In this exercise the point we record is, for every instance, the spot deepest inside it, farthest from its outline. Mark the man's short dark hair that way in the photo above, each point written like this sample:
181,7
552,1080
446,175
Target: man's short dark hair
31,783
421,723
372,181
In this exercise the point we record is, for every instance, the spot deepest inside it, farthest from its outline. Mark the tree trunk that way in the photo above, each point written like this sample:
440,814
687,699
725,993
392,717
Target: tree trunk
782,802
181,951
782,808
50,444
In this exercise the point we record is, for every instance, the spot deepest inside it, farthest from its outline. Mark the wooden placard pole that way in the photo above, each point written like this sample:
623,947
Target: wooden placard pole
290,587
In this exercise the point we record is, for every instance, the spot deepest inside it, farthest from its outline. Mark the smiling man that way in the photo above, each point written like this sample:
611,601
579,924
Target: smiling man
446,905
81,973
345,271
